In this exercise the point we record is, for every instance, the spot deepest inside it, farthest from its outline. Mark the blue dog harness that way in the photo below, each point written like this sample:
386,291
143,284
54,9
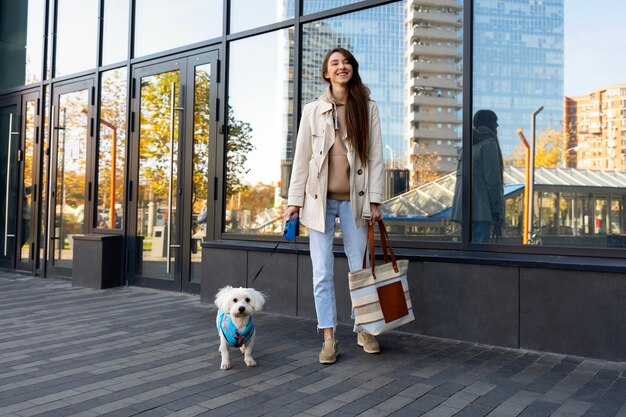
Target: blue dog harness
234,337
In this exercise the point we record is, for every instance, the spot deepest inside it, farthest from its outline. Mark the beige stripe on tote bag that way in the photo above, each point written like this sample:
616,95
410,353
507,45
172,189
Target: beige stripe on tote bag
380,294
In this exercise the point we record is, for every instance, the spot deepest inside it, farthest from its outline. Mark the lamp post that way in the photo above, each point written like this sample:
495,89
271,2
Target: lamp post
531,177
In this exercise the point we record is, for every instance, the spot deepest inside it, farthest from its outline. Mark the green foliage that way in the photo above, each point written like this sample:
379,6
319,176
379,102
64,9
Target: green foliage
238,146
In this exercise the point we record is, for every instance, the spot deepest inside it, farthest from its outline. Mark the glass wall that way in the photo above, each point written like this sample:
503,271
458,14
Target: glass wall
21,42
164,24
260,121
112,149
552,59
414,73
115,31
314,6
551,73
245,14
76,37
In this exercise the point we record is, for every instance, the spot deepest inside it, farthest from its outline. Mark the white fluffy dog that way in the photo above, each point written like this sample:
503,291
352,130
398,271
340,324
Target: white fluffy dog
234,321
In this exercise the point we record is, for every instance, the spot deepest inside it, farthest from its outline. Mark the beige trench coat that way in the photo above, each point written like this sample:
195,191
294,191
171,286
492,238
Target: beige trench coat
309,176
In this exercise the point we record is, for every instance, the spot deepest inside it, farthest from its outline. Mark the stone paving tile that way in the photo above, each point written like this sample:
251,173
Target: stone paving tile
127,351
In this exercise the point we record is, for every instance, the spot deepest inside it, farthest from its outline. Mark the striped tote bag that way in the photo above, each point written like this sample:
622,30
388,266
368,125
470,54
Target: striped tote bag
380,294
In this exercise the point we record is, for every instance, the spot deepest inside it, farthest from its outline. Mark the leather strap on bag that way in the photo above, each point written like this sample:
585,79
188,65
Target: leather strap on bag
386,245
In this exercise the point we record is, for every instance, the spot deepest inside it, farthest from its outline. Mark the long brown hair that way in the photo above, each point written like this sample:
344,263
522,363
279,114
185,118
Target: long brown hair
357,108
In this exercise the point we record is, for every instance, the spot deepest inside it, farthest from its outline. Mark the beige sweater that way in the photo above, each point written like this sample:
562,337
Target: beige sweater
338,166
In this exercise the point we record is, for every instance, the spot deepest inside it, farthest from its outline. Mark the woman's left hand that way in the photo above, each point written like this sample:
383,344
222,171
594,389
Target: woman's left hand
376,214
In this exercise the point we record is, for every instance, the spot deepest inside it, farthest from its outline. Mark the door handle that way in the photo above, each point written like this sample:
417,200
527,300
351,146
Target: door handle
8,184
173,109
51,196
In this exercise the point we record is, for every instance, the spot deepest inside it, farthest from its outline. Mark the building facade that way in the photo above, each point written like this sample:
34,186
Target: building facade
149,143
596,129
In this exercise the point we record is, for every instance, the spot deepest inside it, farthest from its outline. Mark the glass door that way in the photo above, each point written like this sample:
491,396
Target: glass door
169,184
9,146
29,185
70,184
199,164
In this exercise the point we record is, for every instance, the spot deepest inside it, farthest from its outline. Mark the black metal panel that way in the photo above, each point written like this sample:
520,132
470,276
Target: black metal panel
581,313
278,280
221,267
470,302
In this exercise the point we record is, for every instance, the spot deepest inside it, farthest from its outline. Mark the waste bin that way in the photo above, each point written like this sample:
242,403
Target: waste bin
159,242
97,261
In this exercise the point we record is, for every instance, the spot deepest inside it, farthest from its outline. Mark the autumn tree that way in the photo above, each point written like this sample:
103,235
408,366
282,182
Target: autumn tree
238,146
548,150
425,166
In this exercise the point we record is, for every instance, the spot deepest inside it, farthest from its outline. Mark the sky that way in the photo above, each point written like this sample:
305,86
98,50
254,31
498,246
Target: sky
595,45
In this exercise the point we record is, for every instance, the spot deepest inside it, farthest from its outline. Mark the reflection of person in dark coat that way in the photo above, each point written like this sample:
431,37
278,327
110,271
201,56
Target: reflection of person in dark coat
487,180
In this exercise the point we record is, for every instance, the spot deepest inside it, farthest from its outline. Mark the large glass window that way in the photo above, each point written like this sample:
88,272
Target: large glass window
246,14
414,74
165,24
112,149
76,39
313,6
260,126
115,35
562,87
21,42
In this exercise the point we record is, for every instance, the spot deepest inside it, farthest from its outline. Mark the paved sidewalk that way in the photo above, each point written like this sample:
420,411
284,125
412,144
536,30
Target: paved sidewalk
67,351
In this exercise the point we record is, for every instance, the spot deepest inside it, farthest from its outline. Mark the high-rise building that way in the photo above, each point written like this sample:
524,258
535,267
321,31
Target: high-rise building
596,129
518,64
434,76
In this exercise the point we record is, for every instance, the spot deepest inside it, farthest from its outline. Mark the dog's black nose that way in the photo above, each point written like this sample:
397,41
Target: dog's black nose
242,309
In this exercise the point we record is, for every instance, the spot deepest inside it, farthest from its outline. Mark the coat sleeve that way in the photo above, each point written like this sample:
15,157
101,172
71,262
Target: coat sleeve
375,157
493,178
302,156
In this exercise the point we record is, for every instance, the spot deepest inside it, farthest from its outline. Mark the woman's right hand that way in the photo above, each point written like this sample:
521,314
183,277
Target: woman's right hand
291,210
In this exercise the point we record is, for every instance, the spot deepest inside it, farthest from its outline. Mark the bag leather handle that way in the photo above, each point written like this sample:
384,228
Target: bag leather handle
385,244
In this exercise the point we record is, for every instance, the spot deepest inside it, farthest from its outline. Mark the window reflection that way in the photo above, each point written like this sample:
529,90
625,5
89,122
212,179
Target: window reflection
541,63
112,149
246,14
21,47
76,37
314,6
115,35
164,24
26,228
259,131
419,100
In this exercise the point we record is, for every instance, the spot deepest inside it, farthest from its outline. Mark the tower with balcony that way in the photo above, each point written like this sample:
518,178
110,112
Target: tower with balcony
434,75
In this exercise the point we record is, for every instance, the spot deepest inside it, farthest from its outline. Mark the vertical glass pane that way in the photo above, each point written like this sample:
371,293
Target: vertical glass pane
564,88
77,29
30,126
71,159
158,161
21,42
259,132
115,36
314,6
163,24
246,14
201,140
8,174
112,149
414,73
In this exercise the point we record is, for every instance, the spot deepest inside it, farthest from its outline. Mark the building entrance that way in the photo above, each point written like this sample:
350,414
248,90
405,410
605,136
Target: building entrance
172,150
19,136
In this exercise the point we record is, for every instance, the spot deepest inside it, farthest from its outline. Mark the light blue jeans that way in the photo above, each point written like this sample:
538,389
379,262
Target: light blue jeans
321,248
